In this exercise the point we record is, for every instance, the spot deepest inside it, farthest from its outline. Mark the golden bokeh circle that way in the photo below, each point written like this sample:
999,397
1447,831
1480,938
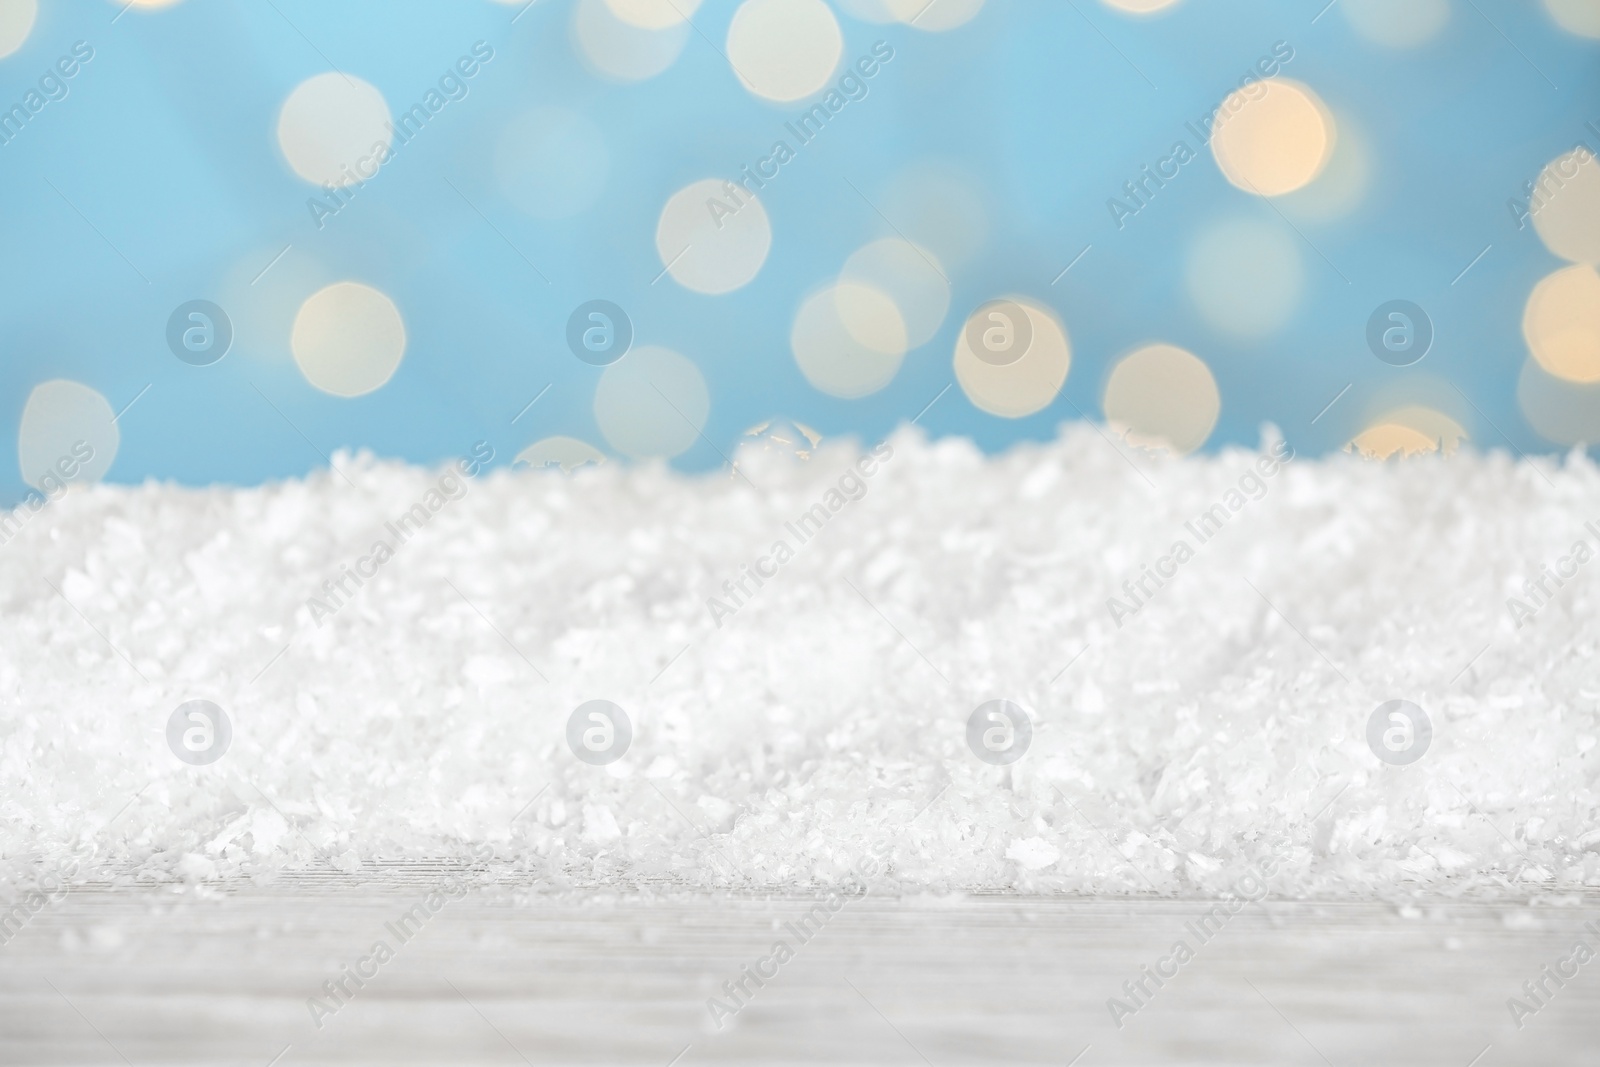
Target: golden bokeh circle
1162,396
1272,137
1561,323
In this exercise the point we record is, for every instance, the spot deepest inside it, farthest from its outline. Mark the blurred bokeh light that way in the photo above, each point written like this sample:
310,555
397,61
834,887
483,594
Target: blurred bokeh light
807,211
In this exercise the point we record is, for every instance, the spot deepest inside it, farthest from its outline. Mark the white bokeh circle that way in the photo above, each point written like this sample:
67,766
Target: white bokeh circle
1140,7
329,125
1162,396
1565,412
784,50
1397,23
932,16
16,23
911,276
1027,385
713,236
1581,17
621,50
66,427
848,339
1245,276
348,339
654,14
1566,214
652,403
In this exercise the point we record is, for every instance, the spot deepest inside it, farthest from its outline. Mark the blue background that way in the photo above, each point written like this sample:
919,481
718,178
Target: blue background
167,146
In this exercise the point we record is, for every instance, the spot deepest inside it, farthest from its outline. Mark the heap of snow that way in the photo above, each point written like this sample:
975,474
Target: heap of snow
783,729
